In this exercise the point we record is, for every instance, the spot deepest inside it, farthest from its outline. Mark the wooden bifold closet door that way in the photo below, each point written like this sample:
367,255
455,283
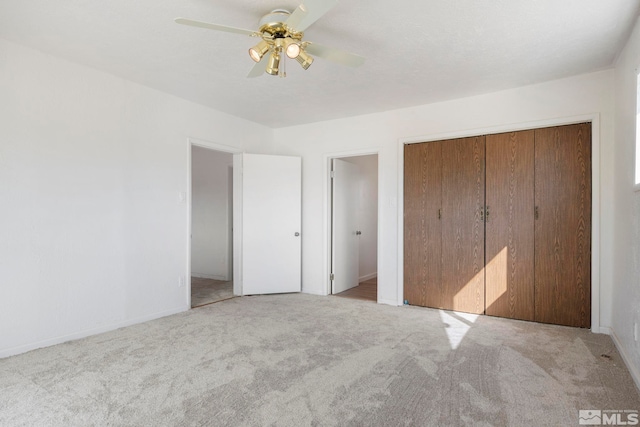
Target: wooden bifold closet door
444,233
563,225
501,225
462,225
423,227
509,225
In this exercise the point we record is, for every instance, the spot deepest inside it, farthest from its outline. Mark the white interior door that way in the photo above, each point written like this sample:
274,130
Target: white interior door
344,237
271,224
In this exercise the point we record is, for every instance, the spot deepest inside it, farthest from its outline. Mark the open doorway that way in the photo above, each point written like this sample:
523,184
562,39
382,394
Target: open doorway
211,226
354,227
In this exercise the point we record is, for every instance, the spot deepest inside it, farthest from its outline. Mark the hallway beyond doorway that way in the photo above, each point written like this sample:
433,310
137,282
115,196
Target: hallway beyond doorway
367,290
208,291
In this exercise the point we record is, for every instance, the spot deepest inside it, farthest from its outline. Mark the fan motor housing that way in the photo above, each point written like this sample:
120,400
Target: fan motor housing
274,25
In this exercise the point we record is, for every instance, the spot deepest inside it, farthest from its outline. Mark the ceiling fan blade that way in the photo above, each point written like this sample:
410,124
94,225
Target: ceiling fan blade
259,68
217,27
308,13
335,55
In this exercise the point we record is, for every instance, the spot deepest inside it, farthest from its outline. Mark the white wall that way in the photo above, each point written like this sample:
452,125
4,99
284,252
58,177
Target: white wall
211,213
367,215
93,229
92,167
626,251
511,109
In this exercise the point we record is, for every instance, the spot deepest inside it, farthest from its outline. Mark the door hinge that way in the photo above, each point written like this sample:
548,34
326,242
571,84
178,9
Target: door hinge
332,174
331,277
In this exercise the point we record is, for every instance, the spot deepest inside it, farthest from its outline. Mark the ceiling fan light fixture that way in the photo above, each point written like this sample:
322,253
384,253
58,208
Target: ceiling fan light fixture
281,35
293,49
258,51
274,64
304,59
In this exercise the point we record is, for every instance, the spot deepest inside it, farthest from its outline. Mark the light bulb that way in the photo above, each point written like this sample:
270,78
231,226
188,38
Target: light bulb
293,50
258,51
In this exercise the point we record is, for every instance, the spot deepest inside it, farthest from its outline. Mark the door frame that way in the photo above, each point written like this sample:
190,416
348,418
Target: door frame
594,119
191,142
328,157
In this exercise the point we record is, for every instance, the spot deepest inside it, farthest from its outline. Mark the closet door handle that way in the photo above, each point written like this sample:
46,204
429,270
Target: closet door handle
486,215
482,213
536,213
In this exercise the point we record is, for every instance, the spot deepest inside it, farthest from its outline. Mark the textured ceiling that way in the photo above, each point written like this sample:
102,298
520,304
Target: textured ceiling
424,51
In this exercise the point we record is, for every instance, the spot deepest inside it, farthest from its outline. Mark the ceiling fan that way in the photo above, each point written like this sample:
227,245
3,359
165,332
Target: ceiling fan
281,33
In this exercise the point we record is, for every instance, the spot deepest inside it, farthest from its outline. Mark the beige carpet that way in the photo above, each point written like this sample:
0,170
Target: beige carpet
208,291
302,360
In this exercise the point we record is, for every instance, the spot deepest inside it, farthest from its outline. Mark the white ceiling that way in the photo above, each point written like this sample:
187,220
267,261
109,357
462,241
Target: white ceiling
421,52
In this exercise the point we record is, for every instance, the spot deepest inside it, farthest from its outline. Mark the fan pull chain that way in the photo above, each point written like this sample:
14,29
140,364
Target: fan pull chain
283,67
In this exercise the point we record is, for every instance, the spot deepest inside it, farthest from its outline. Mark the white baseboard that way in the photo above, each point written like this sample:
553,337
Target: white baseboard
635,373
210,276
304,291
602,330
88,332
367,277
388,302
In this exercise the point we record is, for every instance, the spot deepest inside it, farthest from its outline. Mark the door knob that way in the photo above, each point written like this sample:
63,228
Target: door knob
358,233
297,234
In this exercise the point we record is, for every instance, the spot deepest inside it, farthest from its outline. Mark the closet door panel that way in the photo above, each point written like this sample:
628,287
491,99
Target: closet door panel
509,283
422,226
563,225
462,227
